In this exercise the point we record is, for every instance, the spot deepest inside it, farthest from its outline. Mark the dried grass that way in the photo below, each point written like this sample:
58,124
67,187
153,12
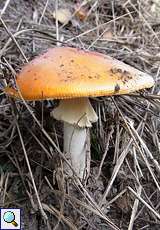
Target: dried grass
123,189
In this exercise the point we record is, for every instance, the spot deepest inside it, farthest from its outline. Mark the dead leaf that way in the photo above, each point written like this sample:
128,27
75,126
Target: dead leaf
155,7
124,203
81,12
108,34
63,15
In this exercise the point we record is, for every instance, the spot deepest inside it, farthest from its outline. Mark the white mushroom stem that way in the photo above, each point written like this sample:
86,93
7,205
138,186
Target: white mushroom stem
75,148
77,115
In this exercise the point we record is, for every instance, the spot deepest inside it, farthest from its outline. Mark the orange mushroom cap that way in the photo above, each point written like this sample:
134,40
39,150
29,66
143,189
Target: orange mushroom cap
66,72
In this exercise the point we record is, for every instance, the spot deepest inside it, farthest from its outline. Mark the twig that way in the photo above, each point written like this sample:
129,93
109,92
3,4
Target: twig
30,172
115,172
84,205
43,12
145,95
13,39
134,209
54,211
5,7
105,152
149,154
95,28
57,26
144,202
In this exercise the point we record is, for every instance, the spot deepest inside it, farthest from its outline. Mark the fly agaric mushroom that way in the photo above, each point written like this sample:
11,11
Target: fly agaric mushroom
73,75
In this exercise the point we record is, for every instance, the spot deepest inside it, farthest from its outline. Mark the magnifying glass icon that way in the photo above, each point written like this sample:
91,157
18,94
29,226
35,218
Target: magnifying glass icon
9,218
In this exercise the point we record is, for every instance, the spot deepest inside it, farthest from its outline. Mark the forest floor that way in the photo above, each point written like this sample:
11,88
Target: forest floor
123,189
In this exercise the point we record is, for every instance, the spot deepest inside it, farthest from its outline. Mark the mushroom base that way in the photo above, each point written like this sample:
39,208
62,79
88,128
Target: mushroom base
77,115
77,150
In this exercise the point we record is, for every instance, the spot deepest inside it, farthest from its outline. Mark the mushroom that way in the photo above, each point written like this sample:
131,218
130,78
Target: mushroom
73,75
